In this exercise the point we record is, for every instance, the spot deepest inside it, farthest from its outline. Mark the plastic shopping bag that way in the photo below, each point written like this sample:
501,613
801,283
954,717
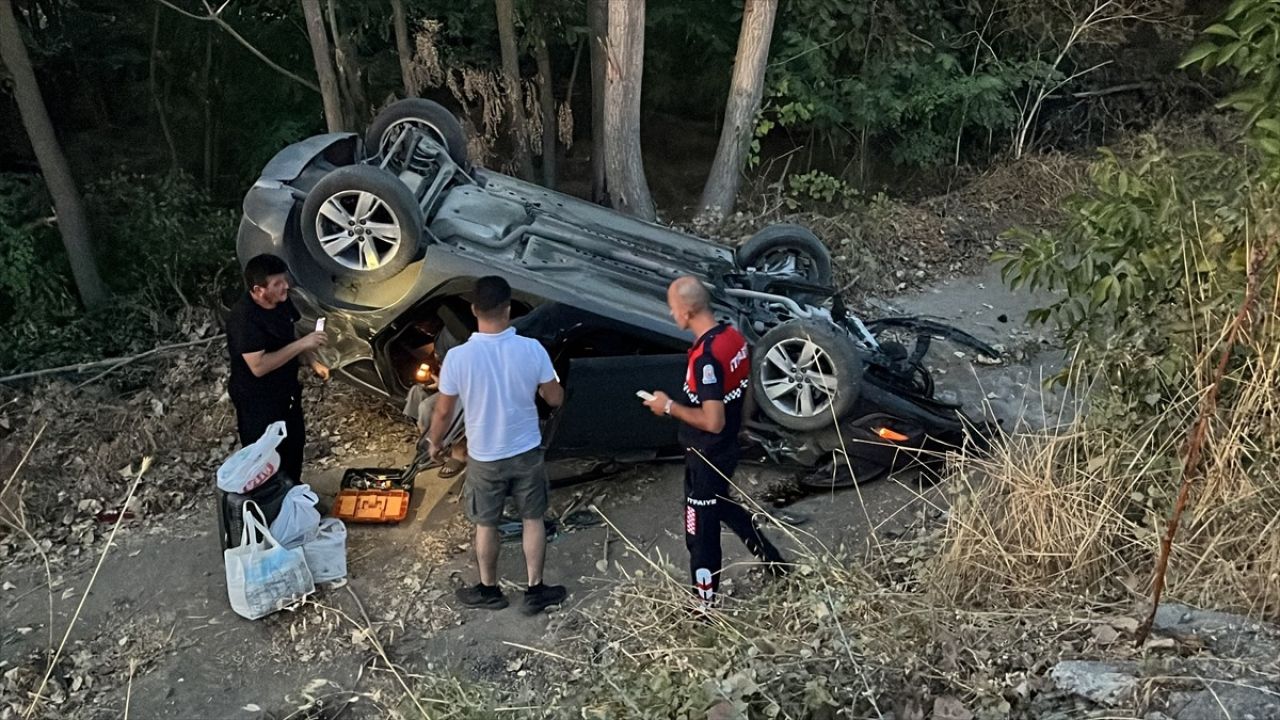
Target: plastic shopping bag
262,575
327,553
298,520
254,464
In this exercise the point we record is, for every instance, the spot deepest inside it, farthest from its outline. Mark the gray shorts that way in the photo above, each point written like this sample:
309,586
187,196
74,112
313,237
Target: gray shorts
487,485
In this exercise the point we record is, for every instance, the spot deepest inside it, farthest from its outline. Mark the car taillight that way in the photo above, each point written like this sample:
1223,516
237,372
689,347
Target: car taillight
891,435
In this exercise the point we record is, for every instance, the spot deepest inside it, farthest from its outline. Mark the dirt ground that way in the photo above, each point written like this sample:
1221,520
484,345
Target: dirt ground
156,635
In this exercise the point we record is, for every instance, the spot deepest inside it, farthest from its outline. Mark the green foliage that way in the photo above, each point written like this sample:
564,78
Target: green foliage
159,233
816,186
911,73
33,268
1153,260
1248,42
162,245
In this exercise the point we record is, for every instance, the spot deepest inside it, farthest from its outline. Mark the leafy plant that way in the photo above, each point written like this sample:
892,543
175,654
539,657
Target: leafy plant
820,187
33,267
1153,258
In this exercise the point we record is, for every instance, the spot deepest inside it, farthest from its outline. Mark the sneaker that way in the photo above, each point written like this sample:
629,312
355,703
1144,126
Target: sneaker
487,597
540,597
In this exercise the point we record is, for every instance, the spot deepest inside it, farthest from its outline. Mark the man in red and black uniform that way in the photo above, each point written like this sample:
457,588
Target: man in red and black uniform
716,381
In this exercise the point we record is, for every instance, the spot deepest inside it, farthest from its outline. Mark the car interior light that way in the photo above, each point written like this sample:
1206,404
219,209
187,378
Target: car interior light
423,373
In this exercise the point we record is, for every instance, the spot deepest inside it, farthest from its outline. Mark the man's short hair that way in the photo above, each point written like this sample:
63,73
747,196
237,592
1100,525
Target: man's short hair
261,267
491,294
692,293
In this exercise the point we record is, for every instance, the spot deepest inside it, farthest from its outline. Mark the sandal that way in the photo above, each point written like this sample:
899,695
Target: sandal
451,468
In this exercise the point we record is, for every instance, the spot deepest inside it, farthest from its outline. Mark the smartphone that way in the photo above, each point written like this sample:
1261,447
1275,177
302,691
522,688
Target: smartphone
645,396
320,325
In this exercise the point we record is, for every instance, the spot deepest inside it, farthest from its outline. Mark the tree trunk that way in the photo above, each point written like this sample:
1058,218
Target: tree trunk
745,91
598,23
205,76
344,57
547,101
403,48
72,222
511,75
155,92
624,162
324,65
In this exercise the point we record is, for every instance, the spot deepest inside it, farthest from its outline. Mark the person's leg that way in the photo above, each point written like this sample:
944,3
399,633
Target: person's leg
484,492
702,489
251,422
529,489
291,447
534,540
738,518
487,546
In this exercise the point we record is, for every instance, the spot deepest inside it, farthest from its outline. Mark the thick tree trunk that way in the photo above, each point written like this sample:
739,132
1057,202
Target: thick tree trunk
403,48
67,203
547,103
349,75
598,23
745,91
511,75
324,65
624,162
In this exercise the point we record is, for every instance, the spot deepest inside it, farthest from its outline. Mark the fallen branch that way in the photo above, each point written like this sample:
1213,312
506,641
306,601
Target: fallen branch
1239,327
110,363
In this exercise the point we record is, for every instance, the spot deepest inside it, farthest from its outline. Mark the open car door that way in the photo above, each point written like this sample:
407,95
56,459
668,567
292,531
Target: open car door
601,415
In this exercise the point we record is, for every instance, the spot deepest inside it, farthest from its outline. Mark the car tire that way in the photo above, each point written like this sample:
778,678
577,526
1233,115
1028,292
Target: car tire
806,399
385,203
776,245
443,124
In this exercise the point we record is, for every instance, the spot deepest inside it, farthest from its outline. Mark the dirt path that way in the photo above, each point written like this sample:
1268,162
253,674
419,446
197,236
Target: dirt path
159,602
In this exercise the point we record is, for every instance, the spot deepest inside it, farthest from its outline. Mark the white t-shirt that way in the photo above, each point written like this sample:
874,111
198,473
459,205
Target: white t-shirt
496,377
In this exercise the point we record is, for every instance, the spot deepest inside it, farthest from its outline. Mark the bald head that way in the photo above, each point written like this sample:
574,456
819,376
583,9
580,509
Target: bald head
688,299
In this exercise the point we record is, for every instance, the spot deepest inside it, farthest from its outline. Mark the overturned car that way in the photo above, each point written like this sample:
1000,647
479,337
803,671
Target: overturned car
385,234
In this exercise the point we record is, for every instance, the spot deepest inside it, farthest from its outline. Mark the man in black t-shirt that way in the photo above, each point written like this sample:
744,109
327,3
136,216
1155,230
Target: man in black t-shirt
264,353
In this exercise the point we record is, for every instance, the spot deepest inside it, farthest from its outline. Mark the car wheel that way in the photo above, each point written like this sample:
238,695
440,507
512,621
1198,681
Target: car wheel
788,251
806,374
424,115
361,222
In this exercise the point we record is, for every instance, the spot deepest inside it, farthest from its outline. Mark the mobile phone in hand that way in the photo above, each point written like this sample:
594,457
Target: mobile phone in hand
645,396
320,325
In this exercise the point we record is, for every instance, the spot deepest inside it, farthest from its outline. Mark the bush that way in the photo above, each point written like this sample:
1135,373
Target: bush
159,233
33,266
162,247
1154,257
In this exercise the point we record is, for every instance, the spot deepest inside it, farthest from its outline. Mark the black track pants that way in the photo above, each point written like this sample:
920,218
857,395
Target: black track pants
252,420
707,504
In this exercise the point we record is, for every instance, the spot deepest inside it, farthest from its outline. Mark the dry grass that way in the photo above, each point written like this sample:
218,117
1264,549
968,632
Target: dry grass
1079,510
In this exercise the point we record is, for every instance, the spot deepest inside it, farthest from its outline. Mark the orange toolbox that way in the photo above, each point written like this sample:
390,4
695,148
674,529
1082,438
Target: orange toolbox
377,495
372,506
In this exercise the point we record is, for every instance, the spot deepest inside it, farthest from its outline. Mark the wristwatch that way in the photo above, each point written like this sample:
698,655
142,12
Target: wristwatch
667,410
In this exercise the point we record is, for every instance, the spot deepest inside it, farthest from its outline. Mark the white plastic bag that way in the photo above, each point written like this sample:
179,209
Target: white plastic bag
327,553
262,575
298,521
254,464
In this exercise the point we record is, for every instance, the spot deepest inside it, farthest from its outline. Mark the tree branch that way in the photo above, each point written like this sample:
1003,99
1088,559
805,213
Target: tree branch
214,16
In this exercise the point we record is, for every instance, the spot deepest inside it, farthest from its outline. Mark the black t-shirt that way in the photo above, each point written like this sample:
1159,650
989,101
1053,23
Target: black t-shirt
252,328
719,369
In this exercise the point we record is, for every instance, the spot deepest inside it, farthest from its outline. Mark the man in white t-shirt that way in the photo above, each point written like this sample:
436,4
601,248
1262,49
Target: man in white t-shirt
497,375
